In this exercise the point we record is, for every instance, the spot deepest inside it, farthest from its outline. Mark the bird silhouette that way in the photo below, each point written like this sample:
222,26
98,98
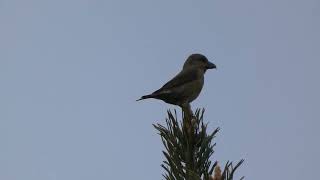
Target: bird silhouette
186,85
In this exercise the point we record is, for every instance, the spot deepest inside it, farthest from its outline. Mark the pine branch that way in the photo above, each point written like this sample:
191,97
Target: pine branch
188,148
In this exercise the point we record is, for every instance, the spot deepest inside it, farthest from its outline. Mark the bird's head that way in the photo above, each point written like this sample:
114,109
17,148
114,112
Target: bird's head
198,61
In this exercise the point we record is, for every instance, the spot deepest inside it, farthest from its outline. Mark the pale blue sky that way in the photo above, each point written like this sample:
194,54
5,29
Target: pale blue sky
70,71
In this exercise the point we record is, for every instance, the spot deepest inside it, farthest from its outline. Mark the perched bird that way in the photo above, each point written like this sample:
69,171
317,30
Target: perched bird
185,86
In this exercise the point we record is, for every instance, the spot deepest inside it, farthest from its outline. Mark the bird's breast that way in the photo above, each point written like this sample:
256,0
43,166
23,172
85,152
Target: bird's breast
197,87
192,90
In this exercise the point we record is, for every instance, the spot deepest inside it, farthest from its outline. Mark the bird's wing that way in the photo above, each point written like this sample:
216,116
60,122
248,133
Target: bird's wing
185,76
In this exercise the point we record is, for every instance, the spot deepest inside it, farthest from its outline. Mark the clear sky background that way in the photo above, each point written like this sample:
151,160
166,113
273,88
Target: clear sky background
71,70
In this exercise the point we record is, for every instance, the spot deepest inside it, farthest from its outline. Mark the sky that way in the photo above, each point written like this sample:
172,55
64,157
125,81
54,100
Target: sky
71,70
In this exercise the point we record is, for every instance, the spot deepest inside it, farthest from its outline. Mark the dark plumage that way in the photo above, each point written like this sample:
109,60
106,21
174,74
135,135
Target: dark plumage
185,86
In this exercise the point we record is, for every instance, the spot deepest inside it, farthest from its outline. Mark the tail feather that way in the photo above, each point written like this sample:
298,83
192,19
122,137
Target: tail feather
145,97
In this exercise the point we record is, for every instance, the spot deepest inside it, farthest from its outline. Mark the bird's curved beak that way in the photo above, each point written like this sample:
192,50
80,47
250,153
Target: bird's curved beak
210,65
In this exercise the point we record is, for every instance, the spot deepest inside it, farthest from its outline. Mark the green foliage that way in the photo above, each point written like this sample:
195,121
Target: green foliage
188,148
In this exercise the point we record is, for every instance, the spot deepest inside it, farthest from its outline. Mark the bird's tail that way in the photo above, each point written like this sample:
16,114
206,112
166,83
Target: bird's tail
145,97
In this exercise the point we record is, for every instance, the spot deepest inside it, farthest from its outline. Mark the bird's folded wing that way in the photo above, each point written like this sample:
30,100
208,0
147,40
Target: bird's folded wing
185,76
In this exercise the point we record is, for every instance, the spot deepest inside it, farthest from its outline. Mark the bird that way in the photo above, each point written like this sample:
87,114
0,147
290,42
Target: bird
186,86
